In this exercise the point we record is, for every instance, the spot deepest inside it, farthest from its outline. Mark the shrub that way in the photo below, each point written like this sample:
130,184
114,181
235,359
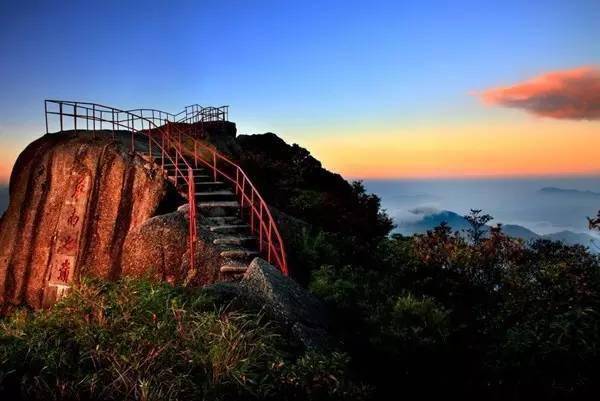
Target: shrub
134,340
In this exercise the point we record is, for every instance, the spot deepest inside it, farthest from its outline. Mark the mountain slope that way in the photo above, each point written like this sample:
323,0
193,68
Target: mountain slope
553,191
459,223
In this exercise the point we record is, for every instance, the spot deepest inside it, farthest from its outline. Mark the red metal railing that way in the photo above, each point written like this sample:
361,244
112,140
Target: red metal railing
260,218
100,119
190,114
179,140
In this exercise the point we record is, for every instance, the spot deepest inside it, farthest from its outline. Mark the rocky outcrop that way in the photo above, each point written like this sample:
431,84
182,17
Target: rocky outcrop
281,299
73,200
158,250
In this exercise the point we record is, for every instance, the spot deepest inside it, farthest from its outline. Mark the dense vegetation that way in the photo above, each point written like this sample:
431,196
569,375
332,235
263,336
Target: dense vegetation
453,315
134,340
435,315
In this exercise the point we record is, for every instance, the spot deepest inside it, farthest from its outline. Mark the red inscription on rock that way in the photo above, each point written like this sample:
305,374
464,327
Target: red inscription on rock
78,189
63,271
73,218
67,244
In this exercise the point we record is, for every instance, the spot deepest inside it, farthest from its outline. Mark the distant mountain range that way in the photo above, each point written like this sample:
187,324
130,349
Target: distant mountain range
459,223
568,192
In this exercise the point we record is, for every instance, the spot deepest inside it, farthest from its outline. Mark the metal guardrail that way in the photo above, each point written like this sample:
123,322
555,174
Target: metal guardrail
175,142
101,119
190,114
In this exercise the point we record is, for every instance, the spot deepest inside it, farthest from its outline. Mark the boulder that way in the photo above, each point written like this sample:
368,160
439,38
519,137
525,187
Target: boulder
73,199
285,301
158,249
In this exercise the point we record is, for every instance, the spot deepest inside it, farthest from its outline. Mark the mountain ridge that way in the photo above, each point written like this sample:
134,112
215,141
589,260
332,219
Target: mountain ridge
459,223
571,192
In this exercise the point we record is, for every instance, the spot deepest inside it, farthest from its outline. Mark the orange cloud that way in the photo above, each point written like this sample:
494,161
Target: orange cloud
569,94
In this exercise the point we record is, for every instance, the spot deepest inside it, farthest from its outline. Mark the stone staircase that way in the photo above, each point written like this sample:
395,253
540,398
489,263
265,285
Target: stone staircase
218,211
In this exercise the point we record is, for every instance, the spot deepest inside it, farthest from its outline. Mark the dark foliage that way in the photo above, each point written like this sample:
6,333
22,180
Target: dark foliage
134,340
295,182
438,317
478,222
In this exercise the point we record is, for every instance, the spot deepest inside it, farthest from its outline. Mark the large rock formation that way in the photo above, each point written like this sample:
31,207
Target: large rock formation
299,312
73,200
158,249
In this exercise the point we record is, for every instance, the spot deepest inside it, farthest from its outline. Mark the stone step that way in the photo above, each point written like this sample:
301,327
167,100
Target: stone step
197,178
239,240
229,228
238,253
221,220
233,269
219,208
215,193
220,204
209,183
205,186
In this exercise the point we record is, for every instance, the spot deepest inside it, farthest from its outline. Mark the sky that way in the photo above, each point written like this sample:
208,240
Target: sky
378,89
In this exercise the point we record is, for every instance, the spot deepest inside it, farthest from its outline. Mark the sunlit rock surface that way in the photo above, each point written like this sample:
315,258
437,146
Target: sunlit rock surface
158,249
73,200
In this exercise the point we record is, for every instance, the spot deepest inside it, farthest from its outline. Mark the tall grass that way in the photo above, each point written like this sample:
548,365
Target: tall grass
135,340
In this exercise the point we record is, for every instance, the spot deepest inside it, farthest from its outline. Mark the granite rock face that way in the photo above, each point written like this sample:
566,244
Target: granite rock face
158,249
73,200
281,296
281,299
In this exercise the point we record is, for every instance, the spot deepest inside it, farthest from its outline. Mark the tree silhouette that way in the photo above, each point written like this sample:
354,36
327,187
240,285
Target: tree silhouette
477,221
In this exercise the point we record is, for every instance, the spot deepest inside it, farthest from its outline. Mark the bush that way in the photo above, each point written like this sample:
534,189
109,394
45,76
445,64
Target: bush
134,340
498,319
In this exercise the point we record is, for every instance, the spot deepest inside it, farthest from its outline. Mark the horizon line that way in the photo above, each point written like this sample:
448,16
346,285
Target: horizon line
469,177
490,177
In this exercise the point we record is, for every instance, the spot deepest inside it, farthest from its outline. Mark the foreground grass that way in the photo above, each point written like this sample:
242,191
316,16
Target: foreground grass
134,340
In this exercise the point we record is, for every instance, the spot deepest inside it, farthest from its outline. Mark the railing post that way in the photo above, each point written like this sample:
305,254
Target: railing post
243,188
75,117
252,213
132,138
113,123
260,228
60,112
149,141
162,151
94,119
46,114
214,165
176,166
192,217
269,240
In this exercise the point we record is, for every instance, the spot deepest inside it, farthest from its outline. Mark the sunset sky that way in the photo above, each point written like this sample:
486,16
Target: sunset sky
380,89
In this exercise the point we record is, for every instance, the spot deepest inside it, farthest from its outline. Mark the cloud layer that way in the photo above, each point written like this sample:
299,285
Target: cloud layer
568,94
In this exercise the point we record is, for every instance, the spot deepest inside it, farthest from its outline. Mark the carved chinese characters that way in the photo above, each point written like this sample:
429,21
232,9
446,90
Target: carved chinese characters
63,261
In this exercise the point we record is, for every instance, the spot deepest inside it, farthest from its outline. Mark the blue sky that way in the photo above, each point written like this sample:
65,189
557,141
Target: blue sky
296,68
